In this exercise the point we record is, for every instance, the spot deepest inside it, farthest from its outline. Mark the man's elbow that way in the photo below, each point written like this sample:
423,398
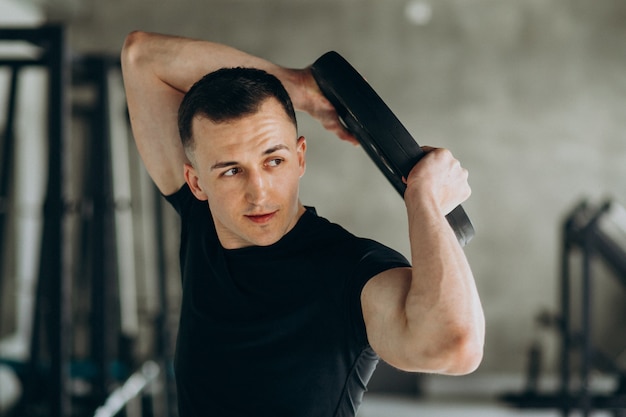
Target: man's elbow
132,50
464,355
456,353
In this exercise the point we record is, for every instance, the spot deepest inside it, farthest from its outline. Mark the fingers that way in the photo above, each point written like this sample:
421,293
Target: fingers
328,117
439,175
311,100
340,130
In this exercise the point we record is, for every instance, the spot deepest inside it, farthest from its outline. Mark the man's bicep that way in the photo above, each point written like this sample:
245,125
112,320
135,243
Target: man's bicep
383,302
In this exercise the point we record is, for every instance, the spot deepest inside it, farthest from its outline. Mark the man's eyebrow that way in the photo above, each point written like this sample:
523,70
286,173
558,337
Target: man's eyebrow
275,148
226,164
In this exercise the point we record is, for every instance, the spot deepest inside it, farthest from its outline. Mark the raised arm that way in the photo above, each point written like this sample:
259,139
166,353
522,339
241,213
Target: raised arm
159,69
428,318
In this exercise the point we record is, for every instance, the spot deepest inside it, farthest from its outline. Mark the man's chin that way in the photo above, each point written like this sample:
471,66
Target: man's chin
266,240
248,240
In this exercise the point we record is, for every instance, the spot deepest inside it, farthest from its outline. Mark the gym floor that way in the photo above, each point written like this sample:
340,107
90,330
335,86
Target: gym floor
379,405
481,394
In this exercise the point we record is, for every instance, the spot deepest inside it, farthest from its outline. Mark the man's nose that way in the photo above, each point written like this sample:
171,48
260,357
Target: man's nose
257,186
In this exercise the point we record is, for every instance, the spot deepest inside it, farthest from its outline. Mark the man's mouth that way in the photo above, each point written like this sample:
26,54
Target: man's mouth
261,218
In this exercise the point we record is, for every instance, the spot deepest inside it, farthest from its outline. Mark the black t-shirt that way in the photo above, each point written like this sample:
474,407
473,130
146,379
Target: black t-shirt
275,330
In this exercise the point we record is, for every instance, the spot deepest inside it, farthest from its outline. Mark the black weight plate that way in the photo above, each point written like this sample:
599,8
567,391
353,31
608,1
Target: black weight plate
381,134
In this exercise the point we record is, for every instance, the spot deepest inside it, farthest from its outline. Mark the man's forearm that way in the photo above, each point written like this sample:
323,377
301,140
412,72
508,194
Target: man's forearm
180,62
442,301
444,292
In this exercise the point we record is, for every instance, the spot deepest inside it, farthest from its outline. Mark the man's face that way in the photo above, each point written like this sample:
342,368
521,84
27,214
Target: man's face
249,170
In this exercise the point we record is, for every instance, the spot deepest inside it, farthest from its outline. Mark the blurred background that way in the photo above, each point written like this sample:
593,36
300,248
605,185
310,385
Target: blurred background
530,96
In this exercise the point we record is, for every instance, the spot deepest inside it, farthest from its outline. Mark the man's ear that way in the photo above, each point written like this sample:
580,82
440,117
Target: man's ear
192,180
301,150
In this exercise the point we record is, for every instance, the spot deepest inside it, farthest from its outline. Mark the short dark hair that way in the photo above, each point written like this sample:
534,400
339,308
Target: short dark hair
228,94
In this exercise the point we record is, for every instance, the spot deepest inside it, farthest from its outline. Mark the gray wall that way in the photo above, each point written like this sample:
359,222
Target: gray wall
529,95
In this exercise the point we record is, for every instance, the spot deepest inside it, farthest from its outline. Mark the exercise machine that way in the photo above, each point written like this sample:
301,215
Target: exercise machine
589,232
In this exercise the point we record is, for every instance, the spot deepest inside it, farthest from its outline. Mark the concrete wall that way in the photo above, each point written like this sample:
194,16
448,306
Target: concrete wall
529,95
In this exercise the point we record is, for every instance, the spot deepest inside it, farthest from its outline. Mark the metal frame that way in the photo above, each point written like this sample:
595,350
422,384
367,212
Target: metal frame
6,167
581,236
54,286
46,375
581,231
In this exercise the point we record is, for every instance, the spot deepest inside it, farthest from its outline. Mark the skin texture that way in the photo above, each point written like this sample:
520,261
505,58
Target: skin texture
426,318
249,170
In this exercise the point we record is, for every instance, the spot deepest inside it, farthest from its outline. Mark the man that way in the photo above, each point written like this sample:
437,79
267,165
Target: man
283,312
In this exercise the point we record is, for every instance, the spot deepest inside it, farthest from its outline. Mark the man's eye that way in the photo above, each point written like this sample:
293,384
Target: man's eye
275,162
231,172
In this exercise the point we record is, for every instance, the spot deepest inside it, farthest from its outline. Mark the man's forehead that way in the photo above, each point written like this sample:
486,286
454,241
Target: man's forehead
224,163
256,135
270,109
270,106
253,128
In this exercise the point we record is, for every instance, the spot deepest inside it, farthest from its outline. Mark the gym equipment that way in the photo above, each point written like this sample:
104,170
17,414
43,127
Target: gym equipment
54,283
592,232
28,162
11,389
78,325
599,232
122,196
134,385
111,228
382,135
7,143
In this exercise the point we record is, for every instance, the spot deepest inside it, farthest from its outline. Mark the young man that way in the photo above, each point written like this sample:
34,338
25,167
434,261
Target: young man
283,312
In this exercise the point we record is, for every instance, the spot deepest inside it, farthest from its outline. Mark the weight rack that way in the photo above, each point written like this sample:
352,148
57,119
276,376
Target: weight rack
47,374
593,232
55,286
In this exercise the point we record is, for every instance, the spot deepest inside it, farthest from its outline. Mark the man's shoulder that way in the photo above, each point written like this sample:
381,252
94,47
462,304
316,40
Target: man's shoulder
323,228
183,201
334,236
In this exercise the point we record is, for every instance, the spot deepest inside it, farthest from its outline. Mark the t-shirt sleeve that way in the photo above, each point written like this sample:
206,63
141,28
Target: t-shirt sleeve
181,200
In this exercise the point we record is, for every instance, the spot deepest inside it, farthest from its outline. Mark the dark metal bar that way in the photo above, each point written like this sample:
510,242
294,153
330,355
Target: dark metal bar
586,347
33,35
6,173
102,275
59,281
565,318
611,248
17,63
130,390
